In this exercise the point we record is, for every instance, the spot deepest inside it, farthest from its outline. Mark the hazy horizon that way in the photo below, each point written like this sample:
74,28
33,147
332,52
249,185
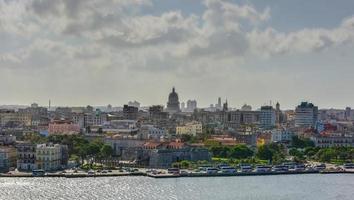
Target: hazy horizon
91,52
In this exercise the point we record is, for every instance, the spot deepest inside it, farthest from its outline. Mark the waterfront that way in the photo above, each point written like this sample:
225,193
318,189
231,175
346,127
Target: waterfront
310,186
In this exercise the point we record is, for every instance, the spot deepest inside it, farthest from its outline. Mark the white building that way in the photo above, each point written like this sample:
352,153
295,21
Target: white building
306,115
48,156
281,135
192,128
152,132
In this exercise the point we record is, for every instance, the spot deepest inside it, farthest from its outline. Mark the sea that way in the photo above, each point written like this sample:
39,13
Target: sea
282,187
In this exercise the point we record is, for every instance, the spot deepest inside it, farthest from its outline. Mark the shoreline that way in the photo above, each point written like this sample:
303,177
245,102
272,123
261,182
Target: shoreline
189,175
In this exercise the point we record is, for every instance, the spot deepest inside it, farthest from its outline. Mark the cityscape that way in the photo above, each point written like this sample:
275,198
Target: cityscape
176,99
175,135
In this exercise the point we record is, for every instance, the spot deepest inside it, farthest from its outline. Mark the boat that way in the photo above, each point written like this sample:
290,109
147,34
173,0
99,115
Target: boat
246,168
38,172
91,173
320,166
348,166
263,168
280,168
173,171
228,169
300,167
212,170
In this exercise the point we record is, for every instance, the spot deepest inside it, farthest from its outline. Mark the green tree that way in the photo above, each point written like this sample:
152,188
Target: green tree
241,152
264,153
106,151
301,143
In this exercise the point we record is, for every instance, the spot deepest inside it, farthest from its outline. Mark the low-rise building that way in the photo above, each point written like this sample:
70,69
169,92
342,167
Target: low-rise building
7,139
192,128
333,141
7,158
63,127
48,156
26,156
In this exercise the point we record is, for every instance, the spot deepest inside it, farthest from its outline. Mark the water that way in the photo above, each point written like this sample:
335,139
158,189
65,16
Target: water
290,187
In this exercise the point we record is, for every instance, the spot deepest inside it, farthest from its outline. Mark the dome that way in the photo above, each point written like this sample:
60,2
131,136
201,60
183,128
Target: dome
173,102
173,96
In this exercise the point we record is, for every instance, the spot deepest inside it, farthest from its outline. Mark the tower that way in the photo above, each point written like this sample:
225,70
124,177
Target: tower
173,102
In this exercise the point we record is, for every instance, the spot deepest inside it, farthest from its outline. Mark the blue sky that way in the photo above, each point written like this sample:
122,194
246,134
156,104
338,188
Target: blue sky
109,52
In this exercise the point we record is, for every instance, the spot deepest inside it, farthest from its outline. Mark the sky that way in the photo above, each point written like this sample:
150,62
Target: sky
95,52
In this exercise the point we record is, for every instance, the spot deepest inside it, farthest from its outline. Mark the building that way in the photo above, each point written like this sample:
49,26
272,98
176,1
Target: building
37,114
267,117
218,105
333,141
191,105
89,119
48,157
348,114
10,118
130,112
150,132
234,119
128,127
26,156
63,127
282,135
125,147
7,139
7,158
173,102
192,128
306,115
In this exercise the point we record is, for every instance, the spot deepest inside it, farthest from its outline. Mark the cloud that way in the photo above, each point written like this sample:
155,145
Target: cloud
107,41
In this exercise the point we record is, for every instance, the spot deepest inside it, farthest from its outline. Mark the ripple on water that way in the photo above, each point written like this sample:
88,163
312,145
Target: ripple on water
324,187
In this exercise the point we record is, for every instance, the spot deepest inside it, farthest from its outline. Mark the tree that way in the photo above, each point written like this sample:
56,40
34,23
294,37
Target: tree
301,143
106,151
264,153
241,152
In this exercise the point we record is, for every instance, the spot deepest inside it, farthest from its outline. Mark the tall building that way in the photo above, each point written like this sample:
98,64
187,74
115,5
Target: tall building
191,105
348,113
267,117
218,105
130,112
173,102
306,115
279,117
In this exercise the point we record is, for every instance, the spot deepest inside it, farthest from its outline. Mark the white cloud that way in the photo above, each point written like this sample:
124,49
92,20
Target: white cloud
98,40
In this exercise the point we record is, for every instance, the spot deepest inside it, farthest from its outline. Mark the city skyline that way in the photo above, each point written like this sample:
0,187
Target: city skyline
86,52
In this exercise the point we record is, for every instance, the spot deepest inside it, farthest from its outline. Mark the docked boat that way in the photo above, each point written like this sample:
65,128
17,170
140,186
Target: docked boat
263,168
38,172
228,169
173,171
246,168
212,170
300,167
320,167
348,166
280,168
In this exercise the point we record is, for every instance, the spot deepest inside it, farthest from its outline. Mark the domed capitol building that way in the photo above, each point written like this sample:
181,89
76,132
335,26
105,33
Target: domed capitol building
173,102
